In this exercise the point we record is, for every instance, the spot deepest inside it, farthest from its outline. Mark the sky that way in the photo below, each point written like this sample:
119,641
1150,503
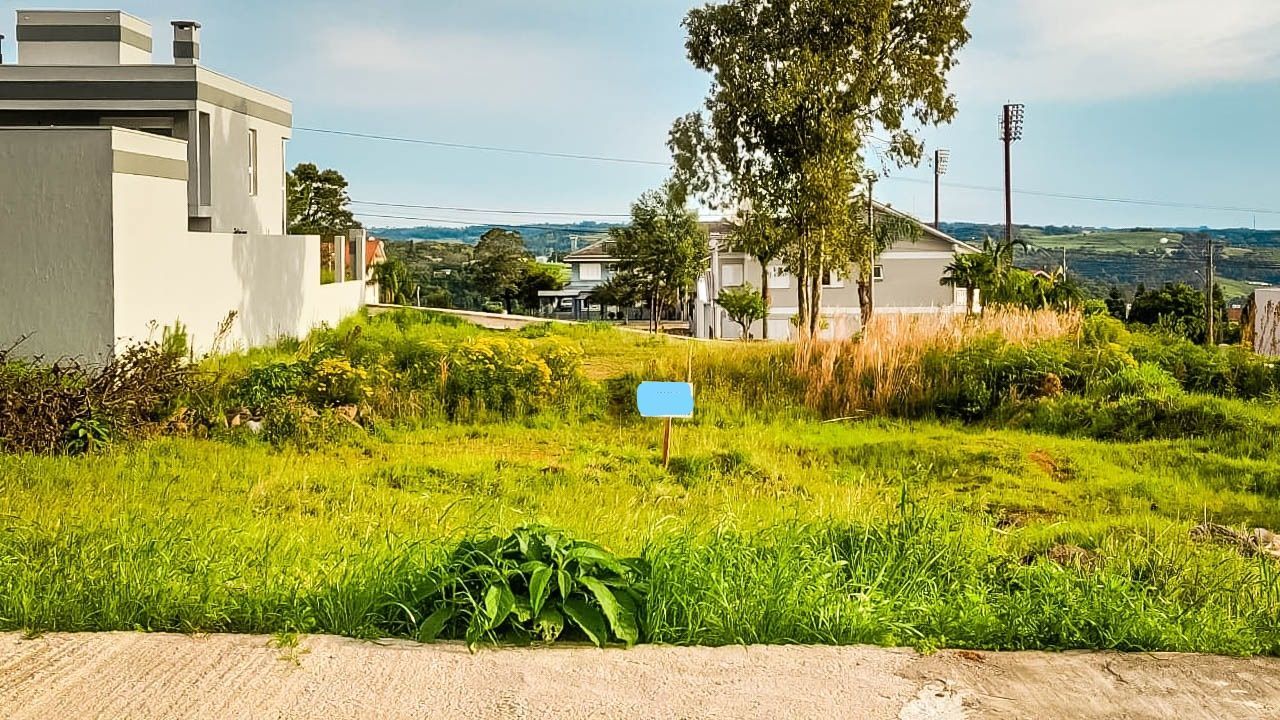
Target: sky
1175,101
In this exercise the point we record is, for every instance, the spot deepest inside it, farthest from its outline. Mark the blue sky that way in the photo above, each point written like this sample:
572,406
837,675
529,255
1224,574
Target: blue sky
1171,100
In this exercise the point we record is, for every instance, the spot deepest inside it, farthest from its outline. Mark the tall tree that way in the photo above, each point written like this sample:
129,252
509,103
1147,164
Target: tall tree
499,264
796,87
317,202
536,277
664,248
872,231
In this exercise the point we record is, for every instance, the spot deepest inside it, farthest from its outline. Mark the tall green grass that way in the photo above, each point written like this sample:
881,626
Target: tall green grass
885,532
926,579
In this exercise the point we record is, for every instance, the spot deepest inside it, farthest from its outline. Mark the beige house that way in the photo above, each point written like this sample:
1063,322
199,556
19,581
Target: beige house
139,194
907,281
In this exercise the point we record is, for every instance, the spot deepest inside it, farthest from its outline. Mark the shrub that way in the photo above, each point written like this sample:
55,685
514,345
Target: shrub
290,421
1132,418
535,583
1230,372
1147,380
335,381
73,407
266,384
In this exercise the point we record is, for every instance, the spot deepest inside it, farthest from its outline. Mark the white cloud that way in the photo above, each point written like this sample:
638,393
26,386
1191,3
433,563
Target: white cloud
444,69
1106,49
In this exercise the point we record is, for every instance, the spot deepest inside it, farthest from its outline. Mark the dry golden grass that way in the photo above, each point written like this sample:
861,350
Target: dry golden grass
880,368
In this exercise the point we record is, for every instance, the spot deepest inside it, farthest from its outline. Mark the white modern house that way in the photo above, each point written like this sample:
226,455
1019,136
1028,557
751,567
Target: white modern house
589,267
137,194
907,282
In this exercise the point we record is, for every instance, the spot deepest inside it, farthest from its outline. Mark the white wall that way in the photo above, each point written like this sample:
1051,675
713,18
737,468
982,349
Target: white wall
1266,321
55,240
165,274
95,252
233,207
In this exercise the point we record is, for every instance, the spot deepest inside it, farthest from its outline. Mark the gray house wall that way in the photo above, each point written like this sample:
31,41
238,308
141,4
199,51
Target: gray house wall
165,99
55,233
910,274
126,203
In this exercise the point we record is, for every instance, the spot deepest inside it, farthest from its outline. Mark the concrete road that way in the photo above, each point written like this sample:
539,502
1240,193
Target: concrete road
138,676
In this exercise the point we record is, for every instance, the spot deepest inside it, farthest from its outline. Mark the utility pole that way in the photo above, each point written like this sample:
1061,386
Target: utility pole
940,159
1064,262
1210,338
1010,132
871,227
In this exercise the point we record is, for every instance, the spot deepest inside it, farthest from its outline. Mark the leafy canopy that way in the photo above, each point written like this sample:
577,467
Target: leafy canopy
499,264
318,202
664,249
797,85
744,305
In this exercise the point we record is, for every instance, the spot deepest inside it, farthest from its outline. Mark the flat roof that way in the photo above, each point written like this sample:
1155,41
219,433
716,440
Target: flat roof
133,88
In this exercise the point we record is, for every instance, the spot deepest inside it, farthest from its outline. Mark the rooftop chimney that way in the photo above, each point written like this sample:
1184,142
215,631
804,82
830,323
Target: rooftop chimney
186,42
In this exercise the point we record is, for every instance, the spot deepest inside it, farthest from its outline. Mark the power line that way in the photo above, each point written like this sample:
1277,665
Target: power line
1092,198
574,213
891,178
486,148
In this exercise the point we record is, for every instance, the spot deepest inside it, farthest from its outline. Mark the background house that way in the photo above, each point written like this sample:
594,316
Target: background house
907,279
148,194
589,267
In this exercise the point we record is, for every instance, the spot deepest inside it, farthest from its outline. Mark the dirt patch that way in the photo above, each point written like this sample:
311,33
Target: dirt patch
1050,466
1073,556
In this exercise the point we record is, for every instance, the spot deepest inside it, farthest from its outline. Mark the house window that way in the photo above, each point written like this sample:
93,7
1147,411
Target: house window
253,162
731,275
832,279
877,273
779,278
589,271
204,158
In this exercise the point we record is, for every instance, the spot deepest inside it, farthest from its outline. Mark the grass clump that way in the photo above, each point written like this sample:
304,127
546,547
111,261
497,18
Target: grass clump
535,583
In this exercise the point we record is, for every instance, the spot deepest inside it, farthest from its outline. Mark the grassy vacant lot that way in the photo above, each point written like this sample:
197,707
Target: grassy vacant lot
769,526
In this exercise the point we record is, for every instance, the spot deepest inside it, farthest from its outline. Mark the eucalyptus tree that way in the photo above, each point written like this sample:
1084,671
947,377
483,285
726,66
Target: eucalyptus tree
796,88
664,248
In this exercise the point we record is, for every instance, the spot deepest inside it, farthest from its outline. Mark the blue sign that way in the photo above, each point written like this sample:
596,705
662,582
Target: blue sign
665,399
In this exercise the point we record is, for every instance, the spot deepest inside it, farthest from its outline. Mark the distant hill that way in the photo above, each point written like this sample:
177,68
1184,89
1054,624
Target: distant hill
1103,257
541,239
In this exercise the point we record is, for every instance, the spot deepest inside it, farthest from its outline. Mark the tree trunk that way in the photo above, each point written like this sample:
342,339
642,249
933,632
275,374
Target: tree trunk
802,292
764,295
866,291
968,297
815,299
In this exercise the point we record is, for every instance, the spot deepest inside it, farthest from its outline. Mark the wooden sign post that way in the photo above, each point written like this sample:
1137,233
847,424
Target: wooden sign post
665,400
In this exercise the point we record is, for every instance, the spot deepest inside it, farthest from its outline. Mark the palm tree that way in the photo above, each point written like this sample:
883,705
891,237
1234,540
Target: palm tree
971,272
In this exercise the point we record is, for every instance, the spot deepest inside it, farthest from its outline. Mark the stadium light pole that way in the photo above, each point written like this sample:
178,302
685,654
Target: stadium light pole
940,160
1010,132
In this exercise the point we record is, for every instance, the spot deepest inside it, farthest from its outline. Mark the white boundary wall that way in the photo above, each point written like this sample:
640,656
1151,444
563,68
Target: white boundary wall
1266,321
78,300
